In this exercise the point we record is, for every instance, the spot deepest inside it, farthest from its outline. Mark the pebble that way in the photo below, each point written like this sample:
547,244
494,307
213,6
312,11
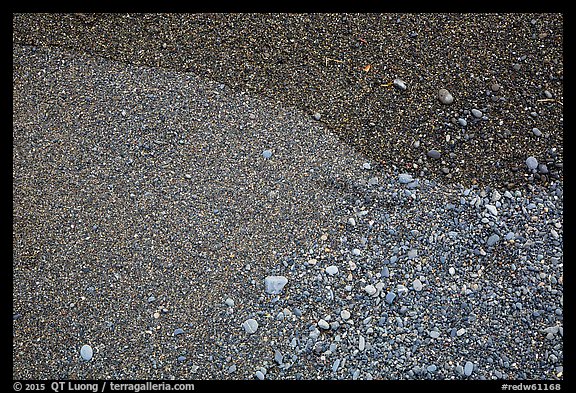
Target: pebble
259,375
468,368
316,116
432,368
229,302
404,178
399,84
460,332
492,209
267,153
385,272
151,299
356,251
86,352
531,163
493,239
433,154
548,94
536,131
462,122
335,365
332,270
231,369
274,284
178,331
434,334
181,358
322,324
250,326
366,165
451,271
278,357
390,296
370,289
476,113
417,285
445,97
345,314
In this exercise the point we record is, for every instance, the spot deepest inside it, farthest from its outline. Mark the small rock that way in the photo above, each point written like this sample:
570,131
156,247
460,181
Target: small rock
404,178
361,343
345,314
250,326
229,302
462,122
460,332
356,251
495,87
366,165
531,163
390,296
548,94
316,116
417,285
493,239
178,331
151,299
451,271
370,289
468,368
445,97
434,334
86,352
267,153
322,324
181,358
476,113
274,284
278,357
259,375
385,272
492,209
434,154
232,369
332,270
432,368
536,131
399,84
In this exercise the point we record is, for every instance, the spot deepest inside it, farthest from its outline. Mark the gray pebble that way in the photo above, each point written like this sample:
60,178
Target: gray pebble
493,239
432,368
434,154
404,178
548,94
267,153
86,352
278,357
390,296
468,368
445,97
316,116
332,270
335,365
181,358
476,113
370,289
462,122
366,165
385,272
229,302
531,163
322,324
231,369
434,334
459,369
178,331
417,285
536,131
250,326
259,375
151,299
542,168
345,314
274,284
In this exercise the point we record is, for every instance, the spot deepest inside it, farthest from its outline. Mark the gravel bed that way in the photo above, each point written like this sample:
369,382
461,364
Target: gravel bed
167,225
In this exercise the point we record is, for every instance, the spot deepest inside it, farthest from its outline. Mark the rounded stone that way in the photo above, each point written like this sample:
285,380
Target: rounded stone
370,289
274,284
468,368
476,113
531,163
445,97
399,84
434,154
322,324
86,352
332,270
345,314
259,375
267,153
250,326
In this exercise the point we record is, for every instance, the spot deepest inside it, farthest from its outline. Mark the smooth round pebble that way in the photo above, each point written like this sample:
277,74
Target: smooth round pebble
531,163
399,84
433,154
86,352
468,368
267,153
250,326
332,270
445,97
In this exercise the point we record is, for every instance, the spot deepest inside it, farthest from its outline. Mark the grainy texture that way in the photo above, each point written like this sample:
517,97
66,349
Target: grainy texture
165,165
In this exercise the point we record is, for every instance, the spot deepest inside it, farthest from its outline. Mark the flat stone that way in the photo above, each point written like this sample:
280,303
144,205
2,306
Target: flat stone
259,375
434,334
178,331
86,352
492,209
390,296
322,324
267,153
404,178
232,369
229,302
250,326
417,285
332,270
433,154
278,357
493,239
536,131
274,284
370,289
